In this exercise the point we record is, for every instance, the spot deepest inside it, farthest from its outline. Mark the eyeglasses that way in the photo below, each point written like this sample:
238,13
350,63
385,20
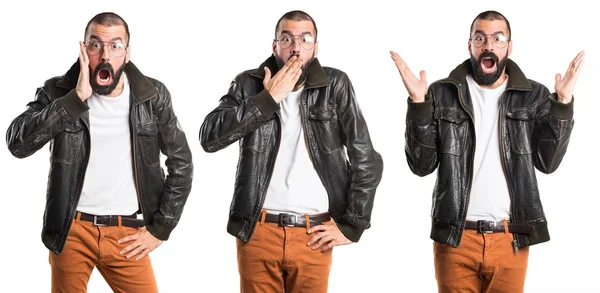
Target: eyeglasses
499,40
306,41
117,49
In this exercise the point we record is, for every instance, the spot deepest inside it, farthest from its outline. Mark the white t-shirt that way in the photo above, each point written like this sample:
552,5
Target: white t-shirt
489,199
295,186
108,188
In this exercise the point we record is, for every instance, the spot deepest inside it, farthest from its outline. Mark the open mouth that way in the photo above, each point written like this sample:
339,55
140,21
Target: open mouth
488,65
103,78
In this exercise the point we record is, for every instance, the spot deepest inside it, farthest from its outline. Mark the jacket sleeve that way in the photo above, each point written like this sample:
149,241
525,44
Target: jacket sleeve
420,135
551,133
366,164
235,116
42,120
178,183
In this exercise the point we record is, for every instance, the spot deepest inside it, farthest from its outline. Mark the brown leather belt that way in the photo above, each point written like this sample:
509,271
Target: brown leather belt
292,220
127,221
491,227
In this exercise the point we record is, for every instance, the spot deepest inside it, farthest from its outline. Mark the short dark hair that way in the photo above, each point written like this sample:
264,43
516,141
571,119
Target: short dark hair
492,15
107,19
296,15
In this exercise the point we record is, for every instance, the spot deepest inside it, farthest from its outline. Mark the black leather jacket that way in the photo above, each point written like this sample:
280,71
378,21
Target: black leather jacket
534,134
58,116
331,119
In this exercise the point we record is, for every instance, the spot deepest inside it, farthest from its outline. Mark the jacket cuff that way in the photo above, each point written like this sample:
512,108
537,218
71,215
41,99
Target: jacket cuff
265,104
74,106
560,110
353,233
159,230
420,111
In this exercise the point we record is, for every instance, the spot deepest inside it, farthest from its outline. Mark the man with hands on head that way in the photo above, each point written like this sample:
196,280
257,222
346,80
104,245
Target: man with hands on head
298,192
486,128
107,124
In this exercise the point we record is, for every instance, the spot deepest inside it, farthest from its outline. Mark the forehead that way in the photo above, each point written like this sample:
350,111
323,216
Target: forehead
106,33
490,26
296,27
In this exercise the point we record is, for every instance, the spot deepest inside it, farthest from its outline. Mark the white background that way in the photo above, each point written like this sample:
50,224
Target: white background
197,50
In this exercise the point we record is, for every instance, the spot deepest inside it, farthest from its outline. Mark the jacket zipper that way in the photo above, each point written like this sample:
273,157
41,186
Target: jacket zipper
134,159
503,160
309,150
82,178
264,194
460,99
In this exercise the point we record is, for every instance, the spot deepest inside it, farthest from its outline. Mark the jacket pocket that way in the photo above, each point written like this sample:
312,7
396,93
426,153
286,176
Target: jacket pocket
148,143
519,124
324,123
66,145
452,130
258,139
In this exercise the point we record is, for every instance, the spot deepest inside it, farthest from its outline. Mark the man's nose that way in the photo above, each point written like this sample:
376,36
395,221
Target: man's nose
296,47
105,54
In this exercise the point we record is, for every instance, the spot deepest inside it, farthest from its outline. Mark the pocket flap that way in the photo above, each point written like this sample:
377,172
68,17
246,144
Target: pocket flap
450,114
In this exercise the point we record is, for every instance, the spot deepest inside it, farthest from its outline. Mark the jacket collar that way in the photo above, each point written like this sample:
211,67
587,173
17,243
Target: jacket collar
516,81
316,75
141,87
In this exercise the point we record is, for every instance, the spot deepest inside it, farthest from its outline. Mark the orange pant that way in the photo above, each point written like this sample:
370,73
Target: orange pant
277,259
481,263
90,246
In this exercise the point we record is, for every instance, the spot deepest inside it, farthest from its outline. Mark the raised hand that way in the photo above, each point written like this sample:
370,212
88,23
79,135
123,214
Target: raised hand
564,85
417,88
282,84
83,88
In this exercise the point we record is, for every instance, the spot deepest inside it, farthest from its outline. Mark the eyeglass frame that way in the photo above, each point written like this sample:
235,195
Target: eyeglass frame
109,50
487,36
294,38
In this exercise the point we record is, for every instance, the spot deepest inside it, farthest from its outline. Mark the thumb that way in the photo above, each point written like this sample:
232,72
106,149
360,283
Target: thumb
557,77
423,75
267,76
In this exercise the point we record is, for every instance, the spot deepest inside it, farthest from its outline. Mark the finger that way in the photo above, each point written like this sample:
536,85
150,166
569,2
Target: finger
557,77
294,68
297,76
422,75
129,248
328,238
317,228
288,64
135,252
81,50
267,76
329,246
84,55
579,55
400,63
128,238
143,254
578,62
315,238
132,237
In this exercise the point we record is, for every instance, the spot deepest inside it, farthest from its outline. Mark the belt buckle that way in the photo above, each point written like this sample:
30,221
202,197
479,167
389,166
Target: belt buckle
95,222
489,225
287,220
